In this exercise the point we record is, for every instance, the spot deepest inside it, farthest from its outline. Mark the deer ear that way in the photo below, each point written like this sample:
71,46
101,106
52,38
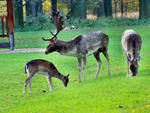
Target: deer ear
135,59
68,75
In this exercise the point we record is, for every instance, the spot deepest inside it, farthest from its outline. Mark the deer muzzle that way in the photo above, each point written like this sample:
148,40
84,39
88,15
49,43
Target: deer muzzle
46,52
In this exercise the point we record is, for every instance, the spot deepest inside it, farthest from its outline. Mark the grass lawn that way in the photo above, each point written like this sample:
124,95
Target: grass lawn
114,94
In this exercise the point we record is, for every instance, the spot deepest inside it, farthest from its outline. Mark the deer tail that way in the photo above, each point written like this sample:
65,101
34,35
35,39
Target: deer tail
26,67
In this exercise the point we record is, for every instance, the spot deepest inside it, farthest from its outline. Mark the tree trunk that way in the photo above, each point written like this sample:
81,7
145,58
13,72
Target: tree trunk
83,9
18,9
39,7
107,8
54,6
122,11
68,5
33,8
100,9
75,8
115,8
28,8
144,8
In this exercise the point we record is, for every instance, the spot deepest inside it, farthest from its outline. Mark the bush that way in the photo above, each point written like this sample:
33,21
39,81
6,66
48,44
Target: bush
108,22
40,23
45,23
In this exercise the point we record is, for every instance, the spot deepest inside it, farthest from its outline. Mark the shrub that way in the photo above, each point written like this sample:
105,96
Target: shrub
45,23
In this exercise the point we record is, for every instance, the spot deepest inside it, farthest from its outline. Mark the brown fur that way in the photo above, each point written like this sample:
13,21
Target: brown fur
81,47
43,67
131,43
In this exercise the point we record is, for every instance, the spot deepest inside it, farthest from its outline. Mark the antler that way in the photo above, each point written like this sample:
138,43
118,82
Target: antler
59,24
45,39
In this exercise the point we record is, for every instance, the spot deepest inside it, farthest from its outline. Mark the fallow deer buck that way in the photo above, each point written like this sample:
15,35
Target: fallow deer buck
80,47
131,44
43,67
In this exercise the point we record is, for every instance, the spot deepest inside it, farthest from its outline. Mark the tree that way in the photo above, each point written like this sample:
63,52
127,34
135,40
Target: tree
108,8
100,9
83,9
54,6
122,11
75,8
28,8
78,9
115,2
39,8
144,6
18,9
33,8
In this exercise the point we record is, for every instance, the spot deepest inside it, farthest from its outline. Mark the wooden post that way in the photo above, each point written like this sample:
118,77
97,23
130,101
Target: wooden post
10,23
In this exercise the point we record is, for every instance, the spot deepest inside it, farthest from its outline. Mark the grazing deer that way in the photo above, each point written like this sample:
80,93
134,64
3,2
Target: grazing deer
80,47
46,68
131,44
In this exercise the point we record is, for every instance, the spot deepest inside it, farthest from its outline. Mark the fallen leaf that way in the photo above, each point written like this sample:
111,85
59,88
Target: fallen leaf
116,67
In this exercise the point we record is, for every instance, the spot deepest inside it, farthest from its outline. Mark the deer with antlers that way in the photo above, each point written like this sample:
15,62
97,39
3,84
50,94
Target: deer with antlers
80,47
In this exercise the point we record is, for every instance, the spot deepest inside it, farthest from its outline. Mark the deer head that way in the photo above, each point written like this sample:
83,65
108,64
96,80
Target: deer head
133,61
59,24
134,66
66,80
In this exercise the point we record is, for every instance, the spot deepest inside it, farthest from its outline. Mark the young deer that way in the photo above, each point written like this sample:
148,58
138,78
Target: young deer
131,44
46,68
80,47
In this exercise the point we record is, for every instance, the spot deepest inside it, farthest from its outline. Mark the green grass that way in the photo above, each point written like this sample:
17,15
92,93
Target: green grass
114,94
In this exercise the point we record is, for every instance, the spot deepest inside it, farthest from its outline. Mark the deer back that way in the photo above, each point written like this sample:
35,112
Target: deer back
41,66
131,43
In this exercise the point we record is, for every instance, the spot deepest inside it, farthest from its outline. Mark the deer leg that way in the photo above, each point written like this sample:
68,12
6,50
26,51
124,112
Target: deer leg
80,65
107,58
84,67
129,74
96,55
50,83
127,68
26,82
128,59
30,84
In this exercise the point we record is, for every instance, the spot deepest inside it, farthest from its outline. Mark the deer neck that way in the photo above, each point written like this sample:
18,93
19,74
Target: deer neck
59,76
66,48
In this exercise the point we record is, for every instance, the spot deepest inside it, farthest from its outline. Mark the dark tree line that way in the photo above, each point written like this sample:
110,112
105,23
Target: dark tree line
78,8
18,9
33,8
144,8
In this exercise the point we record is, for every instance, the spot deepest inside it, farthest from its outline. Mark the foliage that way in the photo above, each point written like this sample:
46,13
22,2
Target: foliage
32,24
3,9
114,94
108,22
130,5
46,7
62,7
45,23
